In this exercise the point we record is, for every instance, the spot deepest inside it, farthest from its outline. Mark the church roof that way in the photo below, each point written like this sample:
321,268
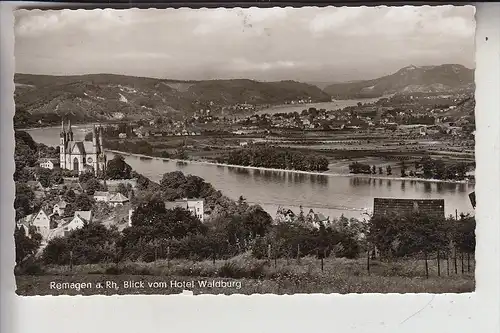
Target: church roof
88,146
80,147
75,147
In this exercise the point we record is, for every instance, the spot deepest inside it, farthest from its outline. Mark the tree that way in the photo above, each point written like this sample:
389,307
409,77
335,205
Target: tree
23,202
44,176
142,182
56,177
357,167
85,177
401,235
69,196
91,244
70,209
257,221
374,170
427,167
439,169
403,169
118,169
122,189
462,168
465,234
84,202
92,185
389,170
26,245
380,171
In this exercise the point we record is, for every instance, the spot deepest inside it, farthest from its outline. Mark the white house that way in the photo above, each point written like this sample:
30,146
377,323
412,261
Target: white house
49,163
40,220
101,196
195,206
59,208
79,219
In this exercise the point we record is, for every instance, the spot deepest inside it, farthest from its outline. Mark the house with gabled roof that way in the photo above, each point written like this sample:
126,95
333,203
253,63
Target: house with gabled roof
40,220
49,163
316,218
80,218
59,208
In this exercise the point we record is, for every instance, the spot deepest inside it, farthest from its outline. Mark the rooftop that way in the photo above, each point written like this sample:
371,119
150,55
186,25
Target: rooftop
84,214
389,206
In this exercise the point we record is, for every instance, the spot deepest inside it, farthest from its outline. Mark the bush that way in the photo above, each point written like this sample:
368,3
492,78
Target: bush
253,270
29,267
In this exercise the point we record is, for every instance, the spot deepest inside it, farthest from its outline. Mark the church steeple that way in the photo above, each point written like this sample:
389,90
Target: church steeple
63,132
101,140
70,131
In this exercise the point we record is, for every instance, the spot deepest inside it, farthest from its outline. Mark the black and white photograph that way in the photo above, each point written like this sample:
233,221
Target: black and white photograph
245,151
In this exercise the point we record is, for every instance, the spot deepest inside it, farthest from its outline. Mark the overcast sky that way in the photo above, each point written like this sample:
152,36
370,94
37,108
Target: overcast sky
307,44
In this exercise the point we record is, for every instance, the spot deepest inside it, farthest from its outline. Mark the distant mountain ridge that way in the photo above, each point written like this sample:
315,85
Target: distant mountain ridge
410,79
109,96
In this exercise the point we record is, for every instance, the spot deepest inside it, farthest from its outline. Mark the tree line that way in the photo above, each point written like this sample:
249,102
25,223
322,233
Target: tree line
362,168
426,167
276,158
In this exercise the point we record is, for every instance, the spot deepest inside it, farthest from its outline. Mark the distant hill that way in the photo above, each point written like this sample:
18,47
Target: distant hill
108,97
410,79
320,84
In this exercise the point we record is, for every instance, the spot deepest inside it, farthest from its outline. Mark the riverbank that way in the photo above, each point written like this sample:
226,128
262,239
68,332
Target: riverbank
203,162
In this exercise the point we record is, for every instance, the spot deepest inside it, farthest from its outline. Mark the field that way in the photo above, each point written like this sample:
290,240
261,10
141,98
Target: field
245,275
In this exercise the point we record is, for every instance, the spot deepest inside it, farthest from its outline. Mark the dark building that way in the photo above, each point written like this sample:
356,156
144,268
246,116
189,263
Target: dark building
389,206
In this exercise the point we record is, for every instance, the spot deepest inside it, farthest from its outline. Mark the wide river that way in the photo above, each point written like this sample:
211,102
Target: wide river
330,195
333,105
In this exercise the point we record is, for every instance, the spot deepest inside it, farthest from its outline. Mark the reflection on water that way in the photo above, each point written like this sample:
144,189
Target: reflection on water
240,171
329,195
287,177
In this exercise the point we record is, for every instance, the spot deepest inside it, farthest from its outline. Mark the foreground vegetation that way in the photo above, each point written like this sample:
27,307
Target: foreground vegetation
283,276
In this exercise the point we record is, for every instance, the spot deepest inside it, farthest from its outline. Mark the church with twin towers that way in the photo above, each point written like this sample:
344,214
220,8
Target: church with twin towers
82,156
